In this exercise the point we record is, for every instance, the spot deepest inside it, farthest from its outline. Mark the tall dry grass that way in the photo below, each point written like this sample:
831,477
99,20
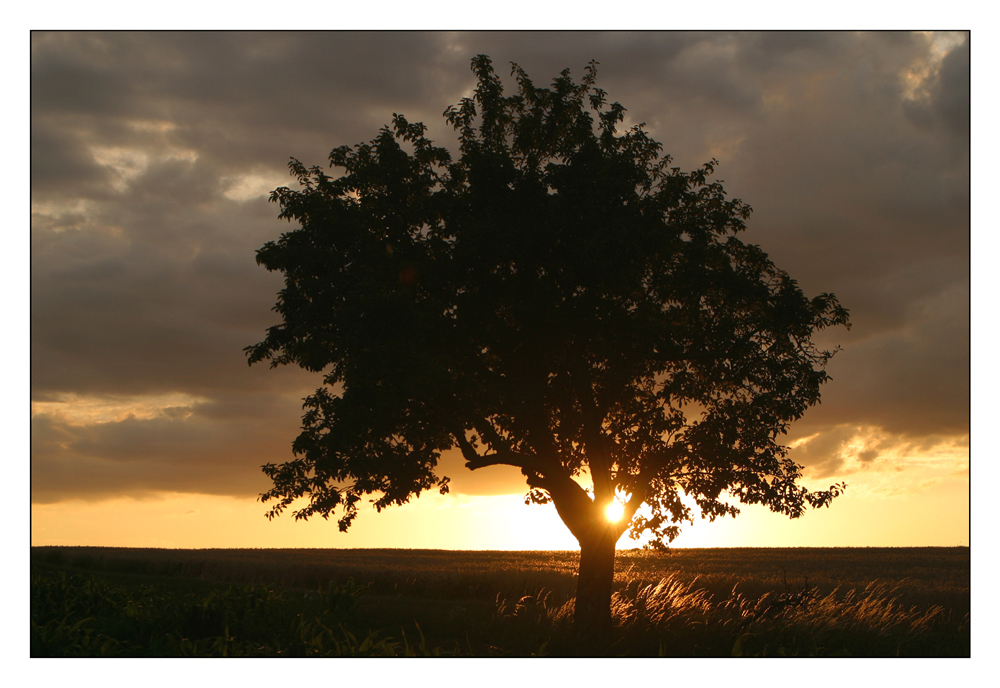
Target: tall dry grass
677,618
684,620
709,603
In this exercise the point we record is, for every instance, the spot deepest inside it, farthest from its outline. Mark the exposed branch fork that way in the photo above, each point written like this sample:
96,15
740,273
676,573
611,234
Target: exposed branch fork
572,502
500,456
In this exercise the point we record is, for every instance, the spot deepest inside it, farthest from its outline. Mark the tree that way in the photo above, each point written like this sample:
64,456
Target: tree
557,298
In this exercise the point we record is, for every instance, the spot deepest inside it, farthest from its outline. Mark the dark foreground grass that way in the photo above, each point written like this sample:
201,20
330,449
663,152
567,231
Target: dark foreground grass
693,603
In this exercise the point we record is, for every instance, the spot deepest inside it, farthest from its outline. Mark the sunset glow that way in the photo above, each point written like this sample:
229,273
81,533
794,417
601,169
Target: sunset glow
149,189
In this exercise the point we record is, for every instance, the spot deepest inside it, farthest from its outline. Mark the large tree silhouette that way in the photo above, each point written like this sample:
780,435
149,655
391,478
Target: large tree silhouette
558,298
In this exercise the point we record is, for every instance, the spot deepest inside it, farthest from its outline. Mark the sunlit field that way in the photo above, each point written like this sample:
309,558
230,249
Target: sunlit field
92,601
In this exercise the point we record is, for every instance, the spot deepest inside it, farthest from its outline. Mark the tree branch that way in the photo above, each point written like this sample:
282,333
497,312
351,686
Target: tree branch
468,451
572,502
488,432
502,457
522,461
633,504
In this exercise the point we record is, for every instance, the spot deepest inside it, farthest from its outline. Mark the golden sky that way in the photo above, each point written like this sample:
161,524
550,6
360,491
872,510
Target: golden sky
152,155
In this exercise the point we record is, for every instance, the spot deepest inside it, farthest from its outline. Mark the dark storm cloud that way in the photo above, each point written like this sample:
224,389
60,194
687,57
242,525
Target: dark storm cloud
913,379
62,164
952,99
152,152
949,94
211,446
241,98
177,451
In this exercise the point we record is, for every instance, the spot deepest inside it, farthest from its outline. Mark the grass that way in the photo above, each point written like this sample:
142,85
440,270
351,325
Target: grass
76,615
693,603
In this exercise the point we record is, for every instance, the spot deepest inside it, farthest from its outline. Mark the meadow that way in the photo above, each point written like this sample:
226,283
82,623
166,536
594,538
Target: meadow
881,602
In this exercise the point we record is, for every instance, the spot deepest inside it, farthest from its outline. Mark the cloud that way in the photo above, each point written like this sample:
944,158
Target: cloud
952,96
842,451
938,85
214,447
152,152
97,449
913,379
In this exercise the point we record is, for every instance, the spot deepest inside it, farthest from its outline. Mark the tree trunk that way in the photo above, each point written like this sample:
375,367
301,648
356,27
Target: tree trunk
592,615
597,537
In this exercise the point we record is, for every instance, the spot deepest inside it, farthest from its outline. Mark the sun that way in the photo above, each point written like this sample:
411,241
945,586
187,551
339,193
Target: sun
614,511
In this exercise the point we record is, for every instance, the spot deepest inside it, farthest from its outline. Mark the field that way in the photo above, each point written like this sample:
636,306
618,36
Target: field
94,601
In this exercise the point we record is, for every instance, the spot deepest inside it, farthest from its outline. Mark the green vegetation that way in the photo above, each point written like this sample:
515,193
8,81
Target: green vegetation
696,603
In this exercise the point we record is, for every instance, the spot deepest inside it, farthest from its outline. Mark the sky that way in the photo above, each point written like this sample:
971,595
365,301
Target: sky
152,155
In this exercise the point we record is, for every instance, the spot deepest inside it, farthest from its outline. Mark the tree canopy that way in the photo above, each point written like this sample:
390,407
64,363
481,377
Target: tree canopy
556,297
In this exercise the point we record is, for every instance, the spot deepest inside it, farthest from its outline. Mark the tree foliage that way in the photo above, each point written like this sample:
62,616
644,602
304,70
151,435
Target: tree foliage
555,297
